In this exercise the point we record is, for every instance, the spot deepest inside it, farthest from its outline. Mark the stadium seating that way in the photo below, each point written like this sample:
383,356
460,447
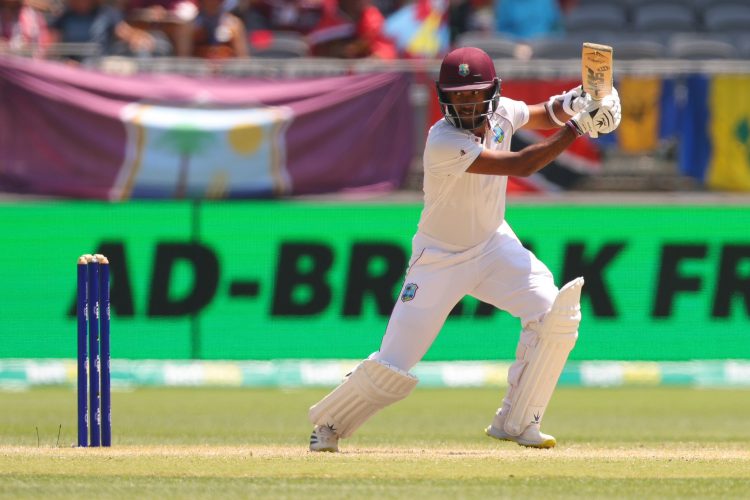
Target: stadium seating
743,45
664,18
727,18
638,48
600,17
647,29
496,46
556,48
700,48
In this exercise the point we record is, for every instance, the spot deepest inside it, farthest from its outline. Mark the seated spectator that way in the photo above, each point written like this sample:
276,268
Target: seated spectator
351,29
300,16
172,18
217,34
528,19
88,21
23,30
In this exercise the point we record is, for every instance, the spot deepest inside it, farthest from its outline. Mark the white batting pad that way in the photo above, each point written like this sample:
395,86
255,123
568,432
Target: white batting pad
539,364
372,386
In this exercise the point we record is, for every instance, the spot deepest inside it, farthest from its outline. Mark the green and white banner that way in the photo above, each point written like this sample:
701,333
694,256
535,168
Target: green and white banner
302,280
20,374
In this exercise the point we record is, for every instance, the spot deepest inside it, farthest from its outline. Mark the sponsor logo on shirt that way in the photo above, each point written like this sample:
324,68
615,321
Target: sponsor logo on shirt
498,133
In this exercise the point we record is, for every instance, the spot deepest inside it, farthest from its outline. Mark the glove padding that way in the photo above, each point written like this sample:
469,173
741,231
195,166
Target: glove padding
599,117
572,101
575,100
612,100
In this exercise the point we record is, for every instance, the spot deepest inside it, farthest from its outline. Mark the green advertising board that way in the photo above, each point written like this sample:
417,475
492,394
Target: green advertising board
280,280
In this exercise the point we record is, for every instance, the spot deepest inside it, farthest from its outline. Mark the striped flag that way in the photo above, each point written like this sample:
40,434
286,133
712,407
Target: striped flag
715,135
729,167
420,30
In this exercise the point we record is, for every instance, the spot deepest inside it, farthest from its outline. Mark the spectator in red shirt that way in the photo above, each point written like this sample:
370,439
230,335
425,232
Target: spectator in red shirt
22,29
351,29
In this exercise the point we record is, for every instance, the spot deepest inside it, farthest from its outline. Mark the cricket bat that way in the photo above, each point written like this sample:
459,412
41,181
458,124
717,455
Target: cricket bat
596,70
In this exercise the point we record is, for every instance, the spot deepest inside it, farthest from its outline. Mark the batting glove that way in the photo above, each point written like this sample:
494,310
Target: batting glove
572,101
599,116
611,102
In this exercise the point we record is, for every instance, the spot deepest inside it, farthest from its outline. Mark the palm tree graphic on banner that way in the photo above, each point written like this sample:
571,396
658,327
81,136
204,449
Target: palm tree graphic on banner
186,140
203,152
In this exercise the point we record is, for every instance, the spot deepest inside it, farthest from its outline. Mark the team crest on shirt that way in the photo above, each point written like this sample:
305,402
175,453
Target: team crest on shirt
410,290
463,69
498,133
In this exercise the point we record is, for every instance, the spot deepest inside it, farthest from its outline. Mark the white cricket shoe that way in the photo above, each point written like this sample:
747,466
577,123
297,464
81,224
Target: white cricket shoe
324,438
531,437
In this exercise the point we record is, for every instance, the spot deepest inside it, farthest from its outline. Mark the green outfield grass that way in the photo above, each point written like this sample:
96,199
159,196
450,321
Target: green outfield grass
178,443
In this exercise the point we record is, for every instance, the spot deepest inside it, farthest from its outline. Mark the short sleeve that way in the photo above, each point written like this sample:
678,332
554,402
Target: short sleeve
449,151
517,112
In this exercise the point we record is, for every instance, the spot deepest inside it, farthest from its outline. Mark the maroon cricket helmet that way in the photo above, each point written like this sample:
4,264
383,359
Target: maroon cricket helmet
465,69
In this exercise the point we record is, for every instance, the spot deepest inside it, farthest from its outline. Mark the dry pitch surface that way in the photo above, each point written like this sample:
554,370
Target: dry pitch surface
671,443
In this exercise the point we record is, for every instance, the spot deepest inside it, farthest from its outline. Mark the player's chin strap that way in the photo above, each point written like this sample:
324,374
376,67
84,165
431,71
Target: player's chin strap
372,386
540,359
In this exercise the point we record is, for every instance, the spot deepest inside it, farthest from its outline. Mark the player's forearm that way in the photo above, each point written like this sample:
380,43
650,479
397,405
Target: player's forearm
535,157
529,160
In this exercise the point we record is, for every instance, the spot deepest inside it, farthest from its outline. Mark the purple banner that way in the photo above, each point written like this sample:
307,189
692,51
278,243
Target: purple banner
68,131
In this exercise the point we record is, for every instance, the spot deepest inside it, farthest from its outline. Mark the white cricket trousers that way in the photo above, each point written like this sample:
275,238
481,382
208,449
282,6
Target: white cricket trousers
499,271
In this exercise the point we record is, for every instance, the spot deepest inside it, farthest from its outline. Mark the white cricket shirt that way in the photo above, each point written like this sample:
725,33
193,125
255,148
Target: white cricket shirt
461,209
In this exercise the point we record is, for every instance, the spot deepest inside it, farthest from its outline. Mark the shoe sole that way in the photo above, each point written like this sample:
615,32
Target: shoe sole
544,445
326,450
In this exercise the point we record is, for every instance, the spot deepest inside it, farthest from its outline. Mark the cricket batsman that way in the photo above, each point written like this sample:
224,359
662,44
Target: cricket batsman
464,246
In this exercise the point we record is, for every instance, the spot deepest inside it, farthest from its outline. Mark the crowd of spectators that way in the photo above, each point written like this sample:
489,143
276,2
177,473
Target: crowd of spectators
218,29
238,28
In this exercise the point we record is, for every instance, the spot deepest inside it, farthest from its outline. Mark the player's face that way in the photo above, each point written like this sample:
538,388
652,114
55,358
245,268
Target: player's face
469,103
463,98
